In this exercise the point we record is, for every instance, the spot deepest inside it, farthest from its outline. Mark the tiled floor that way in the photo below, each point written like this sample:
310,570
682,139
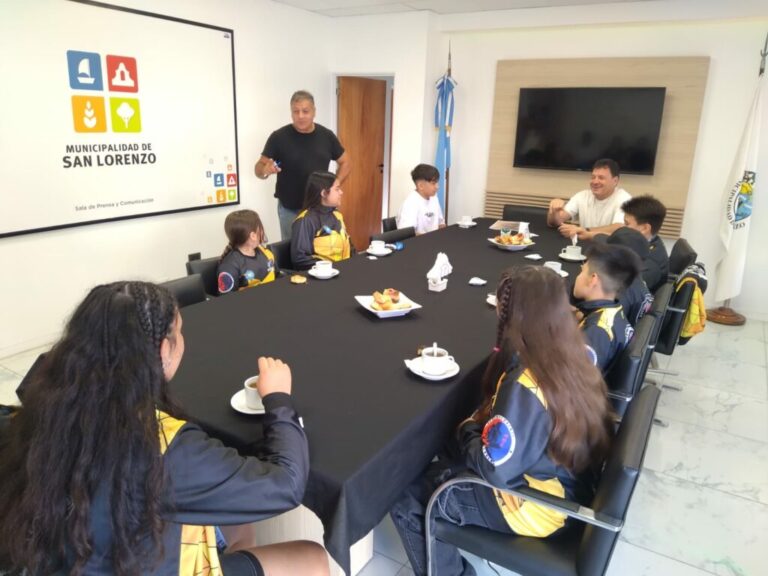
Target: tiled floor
701,506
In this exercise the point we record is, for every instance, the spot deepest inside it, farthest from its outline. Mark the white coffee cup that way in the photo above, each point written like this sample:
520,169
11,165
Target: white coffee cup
323,268
523,229
377,246
466,220
252,396
435,361
556,266
572,251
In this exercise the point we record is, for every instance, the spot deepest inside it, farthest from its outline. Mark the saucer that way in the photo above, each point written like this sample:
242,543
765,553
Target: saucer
238,403
385,252
467,225
312,272
414,366
572,258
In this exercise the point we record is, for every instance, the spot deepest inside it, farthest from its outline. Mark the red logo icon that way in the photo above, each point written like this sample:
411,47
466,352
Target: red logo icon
121,74
231,179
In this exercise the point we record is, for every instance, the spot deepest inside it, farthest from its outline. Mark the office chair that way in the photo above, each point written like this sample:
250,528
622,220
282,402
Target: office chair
188,290
585,545
389,224
682,256
282,253
532,214
207,268
395,235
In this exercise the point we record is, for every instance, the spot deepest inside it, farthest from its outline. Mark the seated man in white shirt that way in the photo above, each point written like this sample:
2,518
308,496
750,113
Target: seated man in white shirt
421,208
598,209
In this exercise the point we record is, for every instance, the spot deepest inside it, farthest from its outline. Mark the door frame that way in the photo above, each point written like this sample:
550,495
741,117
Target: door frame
387,170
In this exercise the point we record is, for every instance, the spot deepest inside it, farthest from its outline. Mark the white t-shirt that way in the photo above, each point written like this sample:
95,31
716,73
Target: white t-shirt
424,214
593,213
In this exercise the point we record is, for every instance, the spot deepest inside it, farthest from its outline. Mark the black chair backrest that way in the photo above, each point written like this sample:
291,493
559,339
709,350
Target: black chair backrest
21,390
207,268
618,481
281,250
661,299
673,319
389,224
532,214
627,373
187,290
682,256
395,235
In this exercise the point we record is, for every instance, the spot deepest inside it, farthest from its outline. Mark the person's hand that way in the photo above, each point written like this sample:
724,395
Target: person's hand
271,167
568,230
274,376
556,204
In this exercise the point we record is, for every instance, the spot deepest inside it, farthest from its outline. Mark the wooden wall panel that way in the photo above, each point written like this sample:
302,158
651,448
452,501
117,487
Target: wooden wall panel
685,80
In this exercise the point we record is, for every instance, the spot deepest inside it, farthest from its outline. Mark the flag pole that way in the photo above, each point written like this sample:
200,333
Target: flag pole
725,314
448,169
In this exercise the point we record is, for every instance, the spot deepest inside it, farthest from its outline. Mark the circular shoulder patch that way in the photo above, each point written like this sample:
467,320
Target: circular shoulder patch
592,355
226,282
498,440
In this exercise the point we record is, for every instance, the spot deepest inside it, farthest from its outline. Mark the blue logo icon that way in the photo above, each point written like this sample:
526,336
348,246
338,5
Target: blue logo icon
84,70
218,179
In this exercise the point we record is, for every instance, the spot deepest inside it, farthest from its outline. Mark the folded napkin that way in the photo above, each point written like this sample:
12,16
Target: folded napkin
441,268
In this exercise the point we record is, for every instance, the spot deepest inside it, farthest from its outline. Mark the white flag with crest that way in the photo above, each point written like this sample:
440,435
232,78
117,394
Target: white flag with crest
737,204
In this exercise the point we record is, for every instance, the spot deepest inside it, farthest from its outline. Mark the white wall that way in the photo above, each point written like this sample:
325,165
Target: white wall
732,45
278,50
391,45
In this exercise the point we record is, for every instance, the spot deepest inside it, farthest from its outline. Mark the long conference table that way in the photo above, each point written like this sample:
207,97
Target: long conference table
372,425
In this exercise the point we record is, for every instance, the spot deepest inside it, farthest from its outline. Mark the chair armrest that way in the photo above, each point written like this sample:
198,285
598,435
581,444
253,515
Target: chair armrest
562,505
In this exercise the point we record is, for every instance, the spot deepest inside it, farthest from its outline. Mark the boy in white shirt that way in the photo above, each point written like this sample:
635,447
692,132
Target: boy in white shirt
421,208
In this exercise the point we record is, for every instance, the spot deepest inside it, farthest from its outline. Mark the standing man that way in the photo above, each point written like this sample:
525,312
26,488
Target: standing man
296,150
597,209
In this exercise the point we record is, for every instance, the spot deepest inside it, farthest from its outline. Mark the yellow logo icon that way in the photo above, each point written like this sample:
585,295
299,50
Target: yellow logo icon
88,114
221,196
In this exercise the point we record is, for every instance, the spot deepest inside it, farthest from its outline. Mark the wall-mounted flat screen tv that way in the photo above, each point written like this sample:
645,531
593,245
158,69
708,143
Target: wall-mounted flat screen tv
570,128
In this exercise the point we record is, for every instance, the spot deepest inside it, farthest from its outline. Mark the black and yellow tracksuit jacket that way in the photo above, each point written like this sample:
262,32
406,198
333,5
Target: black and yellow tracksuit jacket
606,330
510,451
211,485
319,234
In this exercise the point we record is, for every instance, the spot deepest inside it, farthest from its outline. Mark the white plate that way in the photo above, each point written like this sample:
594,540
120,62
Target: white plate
470,225
238,403
511,247
572,258
312,272
366,301
385,252
415,367
491,299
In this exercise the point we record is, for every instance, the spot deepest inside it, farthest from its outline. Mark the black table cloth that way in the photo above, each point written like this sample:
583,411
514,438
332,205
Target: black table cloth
372,425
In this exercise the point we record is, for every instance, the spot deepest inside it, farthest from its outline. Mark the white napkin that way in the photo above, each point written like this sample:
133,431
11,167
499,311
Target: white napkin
441,268
475,281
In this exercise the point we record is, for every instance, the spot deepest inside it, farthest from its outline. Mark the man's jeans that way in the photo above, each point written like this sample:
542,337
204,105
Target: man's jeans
286,217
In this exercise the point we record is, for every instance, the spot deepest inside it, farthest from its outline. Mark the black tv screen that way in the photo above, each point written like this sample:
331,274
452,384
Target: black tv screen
571,128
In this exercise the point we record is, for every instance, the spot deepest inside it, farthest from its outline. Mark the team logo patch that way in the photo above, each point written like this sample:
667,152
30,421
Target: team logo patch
226,282
498,440
592,354
249,275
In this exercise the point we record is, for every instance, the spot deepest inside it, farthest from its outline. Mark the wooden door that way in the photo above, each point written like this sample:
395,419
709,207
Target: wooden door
361,113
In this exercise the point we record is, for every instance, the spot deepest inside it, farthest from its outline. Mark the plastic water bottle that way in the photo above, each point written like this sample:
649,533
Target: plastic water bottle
396,246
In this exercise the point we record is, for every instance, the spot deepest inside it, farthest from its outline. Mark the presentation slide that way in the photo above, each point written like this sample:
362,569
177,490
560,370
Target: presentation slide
109,113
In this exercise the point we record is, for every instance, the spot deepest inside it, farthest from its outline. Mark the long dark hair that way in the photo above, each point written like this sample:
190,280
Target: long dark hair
238,226
317,183
89,421
536,323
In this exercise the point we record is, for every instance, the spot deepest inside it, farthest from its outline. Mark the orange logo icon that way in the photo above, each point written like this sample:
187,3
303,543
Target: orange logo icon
88,114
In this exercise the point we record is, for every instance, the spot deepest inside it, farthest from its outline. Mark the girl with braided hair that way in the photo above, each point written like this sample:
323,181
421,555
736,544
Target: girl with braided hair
100,475
544,421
